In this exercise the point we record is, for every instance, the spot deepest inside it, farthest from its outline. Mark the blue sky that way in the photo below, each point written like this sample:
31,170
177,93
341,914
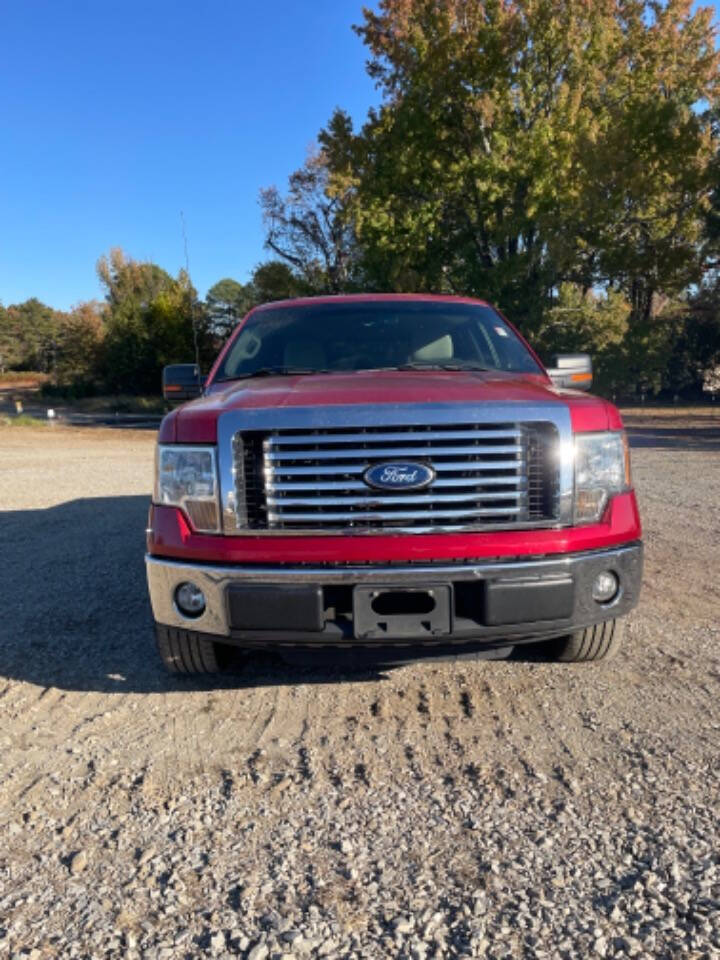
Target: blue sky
114,117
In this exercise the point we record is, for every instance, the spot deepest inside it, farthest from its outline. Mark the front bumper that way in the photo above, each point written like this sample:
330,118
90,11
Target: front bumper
521,600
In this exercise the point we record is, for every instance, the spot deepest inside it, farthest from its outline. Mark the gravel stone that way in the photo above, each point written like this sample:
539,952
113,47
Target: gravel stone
217,942
442,809
259,952
78,862
600,946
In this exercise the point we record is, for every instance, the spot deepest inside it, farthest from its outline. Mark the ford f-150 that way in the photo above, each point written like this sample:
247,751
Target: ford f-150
388,470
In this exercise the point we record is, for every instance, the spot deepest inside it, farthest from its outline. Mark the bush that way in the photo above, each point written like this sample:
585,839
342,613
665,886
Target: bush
77,389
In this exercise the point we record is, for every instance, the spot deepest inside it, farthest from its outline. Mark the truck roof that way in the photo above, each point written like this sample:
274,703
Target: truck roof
370,298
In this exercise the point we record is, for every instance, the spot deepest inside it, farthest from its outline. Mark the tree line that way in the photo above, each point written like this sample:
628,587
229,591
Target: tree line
556,157
147,320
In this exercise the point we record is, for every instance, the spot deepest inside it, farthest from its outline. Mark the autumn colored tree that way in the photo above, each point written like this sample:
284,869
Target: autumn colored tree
310,229
80,341
127,281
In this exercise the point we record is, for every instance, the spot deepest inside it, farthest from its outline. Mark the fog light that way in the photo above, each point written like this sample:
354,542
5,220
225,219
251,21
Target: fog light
190,599
605,586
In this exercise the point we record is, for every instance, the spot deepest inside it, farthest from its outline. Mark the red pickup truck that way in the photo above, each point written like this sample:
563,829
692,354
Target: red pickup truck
389,471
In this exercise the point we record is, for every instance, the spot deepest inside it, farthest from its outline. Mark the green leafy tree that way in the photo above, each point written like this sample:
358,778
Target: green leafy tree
227,302
152,319
29,335
693,342
10,347
523,145
588,321
275,280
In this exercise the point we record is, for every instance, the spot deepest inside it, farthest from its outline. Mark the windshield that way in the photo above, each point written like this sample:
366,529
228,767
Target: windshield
375,335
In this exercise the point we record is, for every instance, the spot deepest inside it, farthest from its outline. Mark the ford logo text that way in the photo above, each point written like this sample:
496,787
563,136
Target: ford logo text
399,476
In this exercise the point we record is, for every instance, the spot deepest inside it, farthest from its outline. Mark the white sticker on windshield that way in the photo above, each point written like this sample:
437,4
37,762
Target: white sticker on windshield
501,331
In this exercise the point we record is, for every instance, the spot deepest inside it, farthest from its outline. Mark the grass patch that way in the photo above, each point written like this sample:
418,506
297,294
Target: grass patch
114,404
707,411
22,420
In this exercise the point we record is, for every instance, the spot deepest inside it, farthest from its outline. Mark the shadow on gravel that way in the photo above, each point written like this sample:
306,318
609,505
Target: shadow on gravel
542,652
78,617
693,434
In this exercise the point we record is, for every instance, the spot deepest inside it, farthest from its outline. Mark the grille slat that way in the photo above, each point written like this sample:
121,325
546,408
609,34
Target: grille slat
371,500
389,437
389,453
395,515
487,476
360,468
439,483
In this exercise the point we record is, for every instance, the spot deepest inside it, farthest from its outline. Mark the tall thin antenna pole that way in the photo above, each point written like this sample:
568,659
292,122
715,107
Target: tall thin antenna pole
192,304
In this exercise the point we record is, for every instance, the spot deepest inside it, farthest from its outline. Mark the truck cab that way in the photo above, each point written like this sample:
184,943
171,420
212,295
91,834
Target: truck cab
390,471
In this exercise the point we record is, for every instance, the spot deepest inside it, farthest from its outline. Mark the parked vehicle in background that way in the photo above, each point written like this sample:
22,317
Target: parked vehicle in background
390,470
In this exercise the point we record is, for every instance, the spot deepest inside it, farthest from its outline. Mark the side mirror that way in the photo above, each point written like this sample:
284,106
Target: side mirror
181,381
572,370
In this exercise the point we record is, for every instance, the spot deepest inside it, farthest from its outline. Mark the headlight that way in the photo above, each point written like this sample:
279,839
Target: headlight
186,477
602,469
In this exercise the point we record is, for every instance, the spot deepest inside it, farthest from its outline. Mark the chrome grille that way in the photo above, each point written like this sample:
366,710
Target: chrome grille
488,476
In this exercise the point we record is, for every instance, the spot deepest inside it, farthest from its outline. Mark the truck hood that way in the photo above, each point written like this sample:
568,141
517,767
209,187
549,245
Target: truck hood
196,422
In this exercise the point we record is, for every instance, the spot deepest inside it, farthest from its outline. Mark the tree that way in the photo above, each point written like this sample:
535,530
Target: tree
29,335
79,346
10,347
152,319
274,280
310,228
521,145
693,349
130,281
227,302
587,321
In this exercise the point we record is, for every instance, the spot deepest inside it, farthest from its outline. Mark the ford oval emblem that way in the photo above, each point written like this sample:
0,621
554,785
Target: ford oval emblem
399,476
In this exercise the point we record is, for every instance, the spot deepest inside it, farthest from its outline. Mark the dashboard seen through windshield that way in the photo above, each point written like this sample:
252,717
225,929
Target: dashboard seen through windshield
336,337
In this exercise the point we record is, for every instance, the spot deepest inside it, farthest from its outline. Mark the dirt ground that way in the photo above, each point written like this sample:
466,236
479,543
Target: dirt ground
557,787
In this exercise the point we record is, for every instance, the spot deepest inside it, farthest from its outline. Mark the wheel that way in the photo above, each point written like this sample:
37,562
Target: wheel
599,642
182,651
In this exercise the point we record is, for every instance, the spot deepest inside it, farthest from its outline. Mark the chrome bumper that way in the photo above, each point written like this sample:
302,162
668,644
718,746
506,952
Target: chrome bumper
164,576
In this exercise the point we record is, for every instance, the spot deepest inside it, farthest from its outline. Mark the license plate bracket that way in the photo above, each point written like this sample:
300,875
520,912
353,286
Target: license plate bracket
393,613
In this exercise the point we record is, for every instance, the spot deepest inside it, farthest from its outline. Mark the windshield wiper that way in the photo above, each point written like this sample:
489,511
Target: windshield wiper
273,372
308,371
450,365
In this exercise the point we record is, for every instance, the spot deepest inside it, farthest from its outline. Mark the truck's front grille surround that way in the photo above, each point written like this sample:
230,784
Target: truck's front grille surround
489,476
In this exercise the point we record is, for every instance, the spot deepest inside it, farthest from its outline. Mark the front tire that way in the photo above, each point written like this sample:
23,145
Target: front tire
599,642
184,652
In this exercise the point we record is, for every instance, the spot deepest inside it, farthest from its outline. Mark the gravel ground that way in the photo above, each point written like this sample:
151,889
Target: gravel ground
480,809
